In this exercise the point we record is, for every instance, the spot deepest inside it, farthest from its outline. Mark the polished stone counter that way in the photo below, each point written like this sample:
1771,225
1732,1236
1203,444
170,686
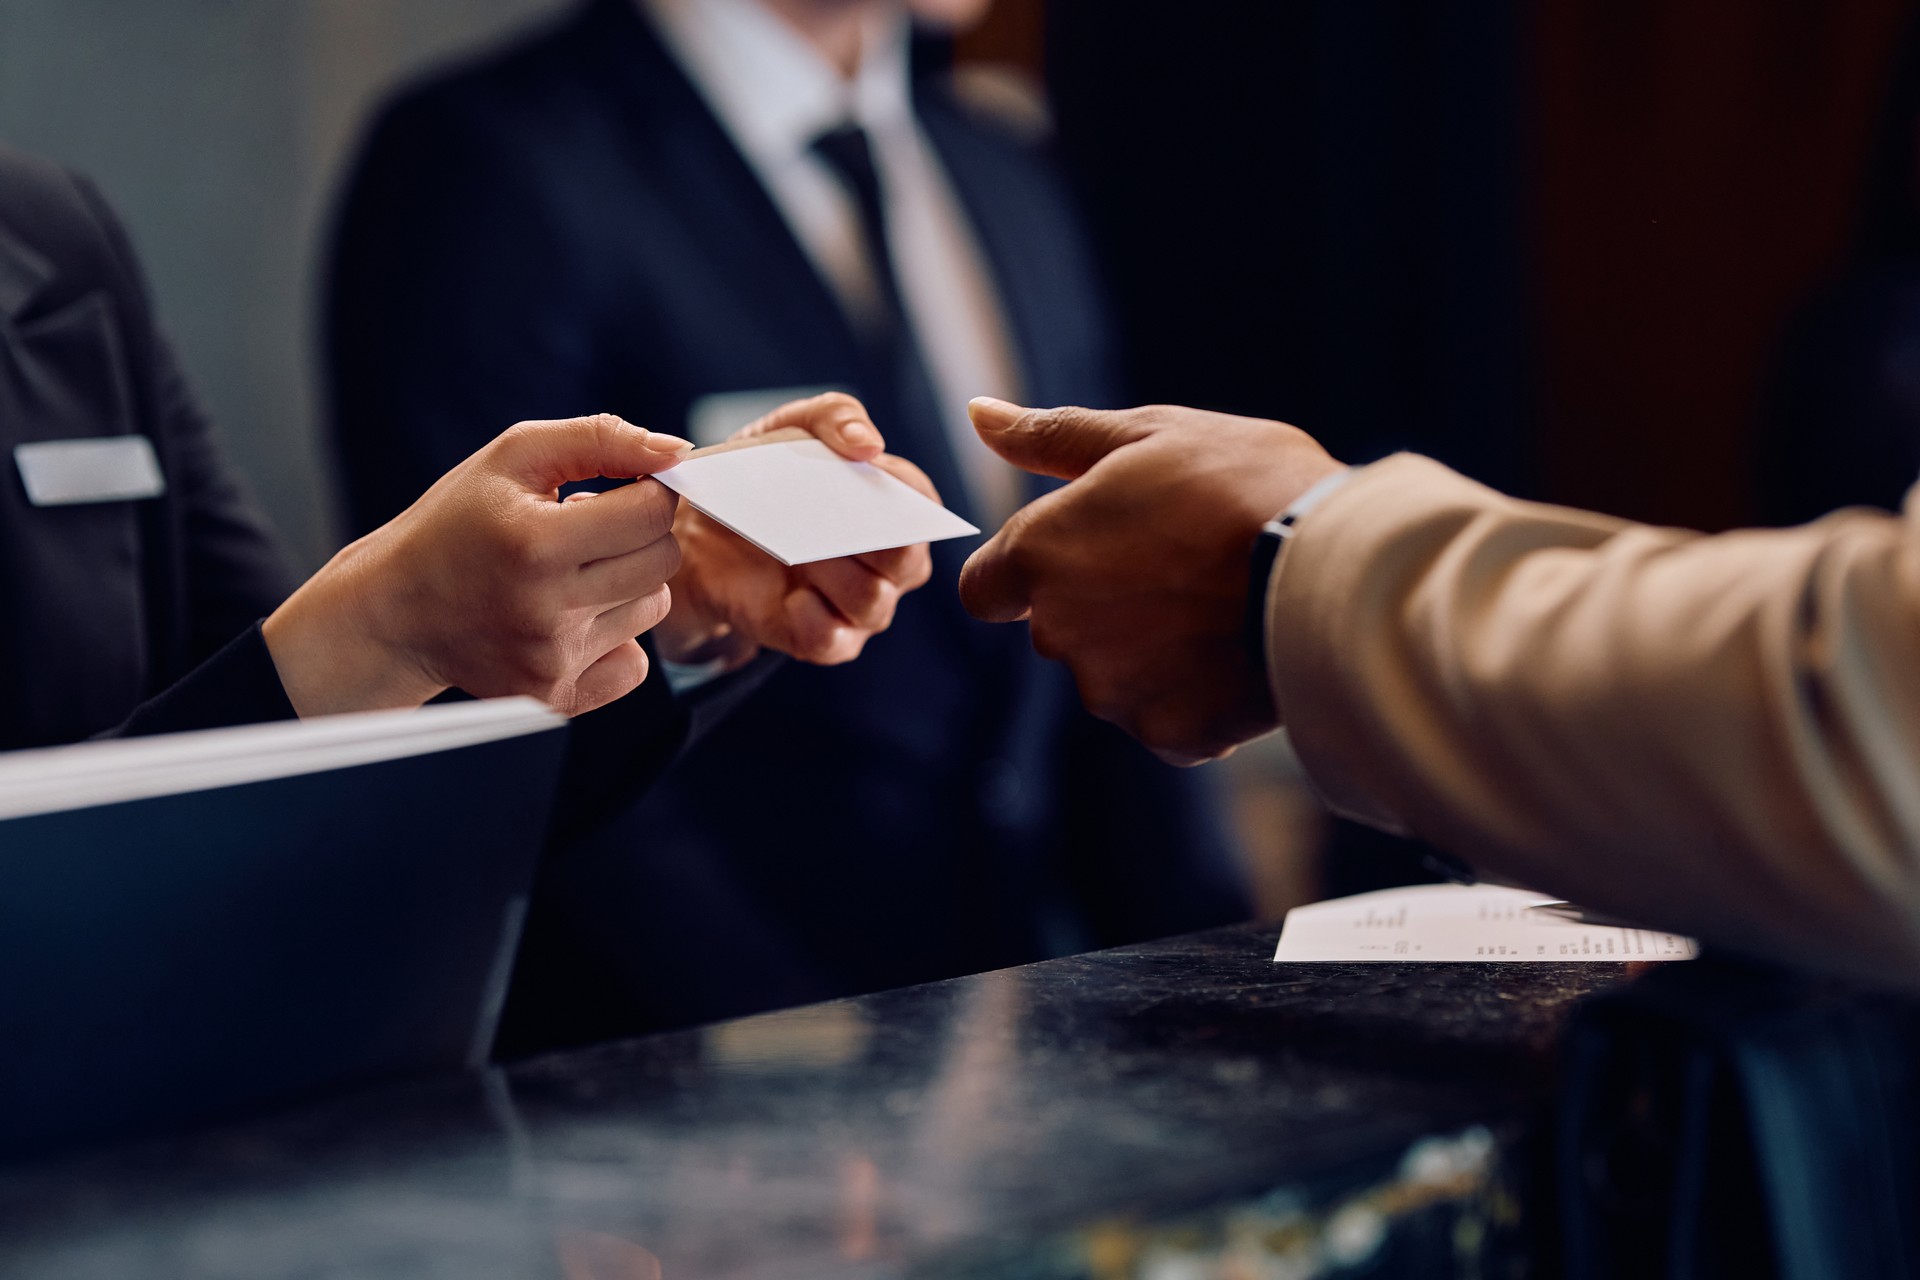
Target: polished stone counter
1062,1119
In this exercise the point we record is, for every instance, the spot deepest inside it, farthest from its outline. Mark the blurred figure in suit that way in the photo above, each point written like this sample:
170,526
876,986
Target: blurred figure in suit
679,209
1842,419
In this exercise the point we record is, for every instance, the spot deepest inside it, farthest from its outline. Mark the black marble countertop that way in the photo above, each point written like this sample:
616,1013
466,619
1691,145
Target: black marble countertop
1032,1122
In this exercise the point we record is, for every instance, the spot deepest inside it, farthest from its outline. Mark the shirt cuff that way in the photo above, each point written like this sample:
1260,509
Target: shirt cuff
684,677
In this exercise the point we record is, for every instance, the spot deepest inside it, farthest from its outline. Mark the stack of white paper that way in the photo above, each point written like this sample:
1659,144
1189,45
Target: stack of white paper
1452,922
96,773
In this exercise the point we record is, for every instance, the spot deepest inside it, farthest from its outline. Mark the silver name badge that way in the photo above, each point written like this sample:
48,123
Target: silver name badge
64,473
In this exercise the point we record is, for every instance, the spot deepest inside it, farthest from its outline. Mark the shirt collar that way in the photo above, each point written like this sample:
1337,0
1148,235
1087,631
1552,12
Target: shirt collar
773,91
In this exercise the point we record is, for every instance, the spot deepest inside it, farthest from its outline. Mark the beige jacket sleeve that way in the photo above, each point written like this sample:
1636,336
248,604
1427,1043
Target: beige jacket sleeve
1717,735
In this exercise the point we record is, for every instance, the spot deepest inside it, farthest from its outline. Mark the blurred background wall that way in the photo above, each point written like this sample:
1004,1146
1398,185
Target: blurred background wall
218,128
1698,170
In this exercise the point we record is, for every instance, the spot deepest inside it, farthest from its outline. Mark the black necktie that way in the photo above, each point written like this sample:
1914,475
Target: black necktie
850,155
913,423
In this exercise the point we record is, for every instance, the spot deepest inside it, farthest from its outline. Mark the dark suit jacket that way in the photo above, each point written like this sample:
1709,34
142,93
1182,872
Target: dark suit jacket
111,607
142,617
565,227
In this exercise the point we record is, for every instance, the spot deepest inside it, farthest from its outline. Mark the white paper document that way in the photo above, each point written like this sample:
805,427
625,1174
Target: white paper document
1454,922
86,774
798,501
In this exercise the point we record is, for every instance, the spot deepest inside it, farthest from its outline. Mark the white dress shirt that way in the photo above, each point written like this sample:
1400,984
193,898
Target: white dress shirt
775,93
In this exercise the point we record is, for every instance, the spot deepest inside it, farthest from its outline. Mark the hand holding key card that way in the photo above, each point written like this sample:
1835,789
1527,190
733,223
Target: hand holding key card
799,535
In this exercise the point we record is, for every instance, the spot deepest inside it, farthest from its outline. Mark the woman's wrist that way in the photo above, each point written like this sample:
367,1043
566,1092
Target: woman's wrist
331,650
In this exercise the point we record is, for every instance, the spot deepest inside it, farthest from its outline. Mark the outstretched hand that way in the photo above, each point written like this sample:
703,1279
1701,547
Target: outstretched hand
1136,574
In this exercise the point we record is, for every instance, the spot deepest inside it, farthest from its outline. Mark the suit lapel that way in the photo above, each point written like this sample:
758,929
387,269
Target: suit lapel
24,272
688,156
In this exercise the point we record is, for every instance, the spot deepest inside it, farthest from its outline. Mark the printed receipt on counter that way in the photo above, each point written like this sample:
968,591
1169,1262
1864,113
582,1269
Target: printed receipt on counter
1464,923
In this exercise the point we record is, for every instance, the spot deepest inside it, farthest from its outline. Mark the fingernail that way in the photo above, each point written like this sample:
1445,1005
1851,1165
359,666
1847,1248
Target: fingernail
661,442
992,408
859,434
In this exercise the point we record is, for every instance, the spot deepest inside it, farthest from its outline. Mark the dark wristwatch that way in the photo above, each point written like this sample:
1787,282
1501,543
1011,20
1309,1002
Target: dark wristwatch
1267,547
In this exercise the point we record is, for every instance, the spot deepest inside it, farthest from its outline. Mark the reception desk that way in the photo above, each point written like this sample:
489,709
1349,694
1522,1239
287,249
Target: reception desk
1128,1112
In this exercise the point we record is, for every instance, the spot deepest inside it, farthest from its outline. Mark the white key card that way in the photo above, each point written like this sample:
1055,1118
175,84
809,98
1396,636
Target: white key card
799,502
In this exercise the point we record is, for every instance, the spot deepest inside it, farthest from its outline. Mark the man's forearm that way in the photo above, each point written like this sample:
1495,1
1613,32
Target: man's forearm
1704,733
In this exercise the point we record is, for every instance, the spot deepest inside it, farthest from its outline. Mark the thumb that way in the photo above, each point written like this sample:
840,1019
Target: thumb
546,455
833,416
1063,443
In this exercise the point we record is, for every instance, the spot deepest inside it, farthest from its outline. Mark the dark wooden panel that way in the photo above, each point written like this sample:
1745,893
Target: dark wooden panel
1698,165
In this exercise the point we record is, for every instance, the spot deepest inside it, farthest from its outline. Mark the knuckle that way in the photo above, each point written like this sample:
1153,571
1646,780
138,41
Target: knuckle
1045,642
550,661
1159,729
630,670
608,430
672,556
520,547
815,641
1042,424
657,507
1103,700
655,606
869,599
524,620
1176,736
531,650
516,434
669,508
1049,425
833,644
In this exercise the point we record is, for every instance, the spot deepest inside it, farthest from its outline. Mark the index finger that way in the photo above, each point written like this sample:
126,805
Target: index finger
995,584
613,523
544,455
